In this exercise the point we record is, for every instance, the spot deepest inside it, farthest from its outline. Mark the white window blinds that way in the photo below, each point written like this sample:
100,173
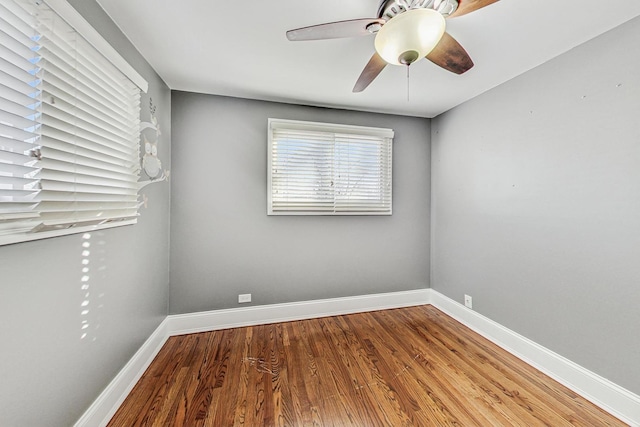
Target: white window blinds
328,169
69,129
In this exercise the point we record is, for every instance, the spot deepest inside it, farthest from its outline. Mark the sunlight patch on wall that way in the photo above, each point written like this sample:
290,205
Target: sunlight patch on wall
85,287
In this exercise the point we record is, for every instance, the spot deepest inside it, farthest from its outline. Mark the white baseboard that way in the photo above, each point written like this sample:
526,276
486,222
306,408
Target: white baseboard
609,396
105,406
180,324
602,392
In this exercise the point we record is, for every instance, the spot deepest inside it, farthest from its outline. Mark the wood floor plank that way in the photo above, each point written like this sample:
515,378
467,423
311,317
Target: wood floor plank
434,376
499,388
238,409
524,376
345,358
255,410
492,383
405,367
328,381
467,378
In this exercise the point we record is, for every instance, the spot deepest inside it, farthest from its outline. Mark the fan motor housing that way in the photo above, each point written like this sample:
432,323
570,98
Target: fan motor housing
390,8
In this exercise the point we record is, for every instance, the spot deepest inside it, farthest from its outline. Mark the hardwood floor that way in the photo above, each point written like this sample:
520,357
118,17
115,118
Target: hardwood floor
404,367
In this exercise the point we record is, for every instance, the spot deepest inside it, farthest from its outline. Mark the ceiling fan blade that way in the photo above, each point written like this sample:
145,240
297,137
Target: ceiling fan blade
334,30
375,65
468,6
450,55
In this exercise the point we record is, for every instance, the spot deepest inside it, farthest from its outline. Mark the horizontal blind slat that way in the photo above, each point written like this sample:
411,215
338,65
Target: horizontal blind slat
70,196
78,178
52,185
86,158
70,143
53,64
99,116
61,119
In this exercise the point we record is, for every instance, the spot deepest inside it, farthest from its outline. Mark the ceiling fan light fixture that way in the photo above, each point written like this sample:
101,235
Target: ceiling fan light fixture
409,36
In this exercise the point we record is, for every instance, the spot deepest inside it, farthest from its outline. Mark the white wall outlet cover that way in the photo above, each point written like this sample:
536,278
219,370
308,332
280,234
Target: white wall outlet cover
244,298
468,301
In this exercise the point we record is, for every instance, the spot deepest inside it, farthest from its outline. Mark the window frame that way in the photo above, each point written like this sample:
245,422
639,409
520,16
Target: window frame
385,134
84,30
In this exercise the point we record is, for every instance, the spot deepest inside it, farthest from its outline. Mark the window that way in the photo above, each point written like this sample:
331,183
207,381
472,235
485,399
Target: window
328,169
69,125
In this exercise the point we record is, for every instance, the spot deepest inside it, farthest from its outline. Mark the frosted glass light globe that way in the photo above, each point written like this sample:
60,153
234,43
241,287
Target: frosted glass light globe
409,36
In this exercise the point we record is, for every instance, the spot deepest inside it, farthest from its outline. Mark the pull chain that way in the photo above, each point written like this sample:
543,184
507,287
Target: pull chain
408,82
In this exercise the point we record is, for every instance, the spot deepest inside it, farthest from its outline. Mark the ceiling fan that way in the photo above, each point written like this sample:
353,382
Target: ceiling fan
406,31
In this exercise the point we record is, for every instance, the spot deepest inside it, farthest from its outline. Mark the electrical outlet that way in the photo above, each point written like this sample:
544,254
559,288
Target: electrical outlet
244,298
468,301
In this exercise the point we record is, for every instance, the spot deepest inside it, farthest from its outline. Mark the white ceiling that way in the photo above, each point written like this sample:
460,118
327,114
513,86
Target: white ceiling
239,49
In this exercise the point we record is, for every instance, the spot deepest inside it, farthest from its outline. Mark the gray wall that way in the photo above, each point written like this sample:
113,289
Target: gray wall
49,375
536,204
223,243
